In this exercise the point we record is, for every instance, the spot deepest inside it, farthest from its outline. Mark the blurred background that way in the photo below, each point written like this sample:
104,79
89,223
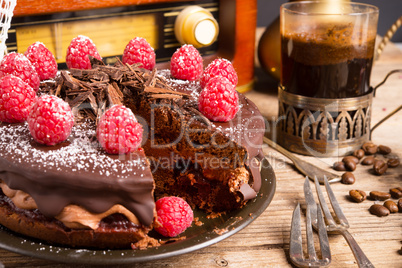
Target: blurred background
390,11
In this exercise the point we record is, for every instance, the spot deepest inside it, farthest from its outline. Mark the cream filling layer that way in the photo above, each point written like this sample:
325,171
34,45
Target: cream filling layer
72,216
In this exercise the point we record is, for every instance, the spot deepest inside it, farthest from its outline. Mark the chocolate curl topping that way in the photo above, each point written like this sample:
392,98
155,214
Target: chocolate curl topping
91,92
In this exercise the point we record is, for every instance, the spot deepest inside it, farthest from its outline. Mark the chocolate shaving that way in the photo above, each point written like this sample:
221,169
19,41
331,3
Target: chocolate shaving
79,99
165,96
164,91
93,102
70,81
94,61
76,72
114,73
115,96
130,83
58,89
151,81
91,92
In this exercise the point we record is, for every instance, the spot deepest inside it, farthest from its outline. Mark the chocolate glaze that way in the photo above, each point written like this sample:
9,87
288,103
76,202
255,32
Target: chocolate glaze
248,128
79,172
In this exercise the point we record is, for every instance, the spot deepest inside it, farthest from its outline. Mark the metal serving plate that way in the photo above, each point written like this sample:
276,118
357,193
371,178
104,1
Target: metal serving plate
196,237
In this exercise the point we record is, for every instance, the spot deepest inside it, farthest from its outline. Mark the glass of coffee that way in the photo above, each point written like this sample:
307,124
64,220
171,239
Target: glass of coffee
327,48
325,98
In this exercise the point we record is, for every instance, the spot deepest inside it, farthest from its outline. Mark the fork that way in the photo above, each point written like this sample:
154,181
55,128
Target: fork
304,167
333,226
296,248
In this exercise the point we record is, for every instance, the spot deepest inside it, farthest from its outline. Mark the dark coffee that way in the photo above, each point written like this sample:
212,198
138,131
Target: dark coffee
333,65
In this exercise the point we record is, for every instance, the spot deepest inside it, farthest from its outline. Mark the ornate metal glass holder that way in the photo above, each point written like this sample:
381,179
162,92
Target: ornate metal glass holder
323,127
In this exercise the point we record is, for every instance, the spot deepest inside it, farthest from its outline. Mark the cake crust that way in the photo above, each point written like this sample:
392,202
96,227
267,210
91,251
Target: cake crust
34,224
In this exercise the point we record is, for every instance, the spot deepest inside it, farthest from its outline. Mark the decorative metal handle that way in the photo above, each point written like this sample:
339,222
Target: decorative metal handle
375,91
388,36
384,119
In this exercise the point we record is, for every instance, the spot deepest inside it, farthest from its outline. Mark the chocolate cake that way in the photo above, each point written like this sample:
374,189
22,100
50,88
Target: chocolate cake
77,195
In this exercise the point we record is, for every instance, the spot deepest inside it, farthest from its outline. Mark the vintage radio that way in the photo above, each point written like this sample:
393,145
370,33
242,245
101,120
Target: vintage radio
218,28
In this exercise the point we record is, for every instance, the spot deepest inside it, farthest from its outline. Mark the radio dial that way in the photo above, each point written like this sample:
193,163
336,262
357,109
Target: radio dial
196,26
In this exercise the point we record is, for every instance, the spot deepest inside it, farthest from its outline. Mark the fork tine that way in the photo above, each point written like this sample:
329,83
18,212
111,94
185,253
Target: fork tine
310,238
308,195
296,243
296,247
323,237
341,228
327,214
335,205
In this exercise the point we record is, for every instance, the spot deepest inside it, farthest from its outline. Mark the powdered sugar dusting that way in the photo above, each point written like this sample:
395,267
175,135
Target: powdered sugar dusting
186,86
81,153
234,129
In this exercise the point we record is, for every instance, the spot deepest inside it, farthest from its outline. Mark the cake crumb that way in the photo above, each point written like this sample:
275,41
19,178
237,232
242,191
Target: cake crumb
174,239
197,222
214,215
147,242
220,231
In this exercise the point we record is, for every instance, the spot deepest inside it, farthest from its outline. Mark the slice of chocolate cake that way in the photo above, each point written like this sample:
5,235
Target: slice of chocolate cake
210,164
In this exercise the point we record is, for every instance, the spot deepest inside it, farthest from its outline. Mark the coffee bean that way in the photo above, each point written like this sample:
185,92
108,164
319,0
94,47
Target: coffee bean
379,210
377,195
369,148
350,158
348,178
339,166
393,162
400,205
382,149
359,153
357,195
380,167
369,160
350,165
396,192
391,206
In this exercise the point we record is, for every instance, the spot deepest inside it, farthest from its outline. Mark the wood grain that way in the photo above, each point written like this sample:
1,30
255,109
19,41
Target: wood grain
265,242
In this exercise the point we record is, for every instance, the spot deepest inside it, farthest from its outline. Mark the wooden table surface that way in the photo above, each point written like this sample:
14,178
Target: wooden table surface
265,242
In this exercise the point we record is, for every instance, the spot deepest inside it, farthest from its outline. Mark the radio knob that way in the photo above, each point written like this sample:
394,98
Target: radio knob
196,26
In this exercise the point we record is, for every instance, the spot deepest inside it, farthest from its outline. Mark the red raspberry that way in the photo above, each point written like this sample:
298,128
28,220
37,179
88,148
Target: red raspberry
118,131
16,98
19,65
138,50
186,63
50,120
219,100
174,214
78,51
43,60
221,67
